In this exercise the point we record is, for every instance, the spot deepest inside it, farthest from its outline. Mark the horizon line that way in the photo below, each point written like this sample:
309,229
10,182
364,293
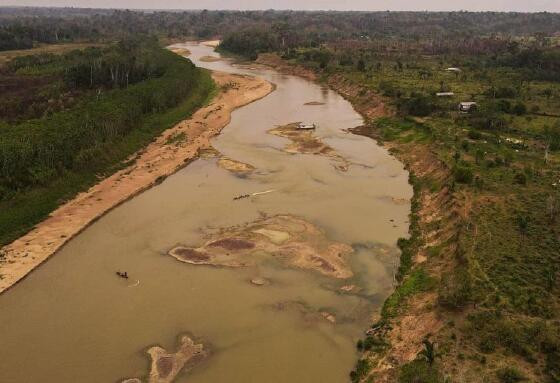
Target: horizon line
271,9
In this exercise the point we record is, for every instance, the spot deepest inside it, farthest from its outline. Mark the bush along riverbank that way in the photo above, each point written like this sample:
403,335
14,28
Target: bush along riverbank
86,112
477,298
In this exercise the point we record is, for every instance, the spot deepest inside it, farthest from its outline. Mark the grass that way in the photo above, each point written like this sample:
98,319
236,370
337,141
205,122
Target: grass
504,257
417,281
419,371
176,138
511,239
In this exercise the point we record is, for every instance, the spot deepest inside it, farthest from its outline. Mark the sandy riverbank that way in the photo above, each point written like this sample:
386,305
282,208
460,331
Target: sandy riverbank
163,157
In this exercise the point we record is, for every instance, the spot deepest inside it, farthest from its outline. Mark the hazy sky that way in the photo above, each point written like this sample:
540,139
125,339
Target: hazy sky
471,5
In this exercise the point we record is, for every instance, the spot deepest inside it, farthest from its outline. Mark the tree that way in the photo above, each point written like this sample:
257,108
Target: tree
429,352
479,156
361,65
520,109
522,224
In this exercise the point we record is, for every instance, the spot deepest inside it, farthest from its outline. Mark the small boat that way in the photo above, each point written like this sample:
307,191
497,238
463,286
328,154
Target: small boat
306,126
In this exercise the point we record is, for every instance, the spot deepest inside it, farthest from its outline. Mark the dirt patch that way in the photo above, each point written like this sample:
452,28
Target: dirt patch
233,244
323,265
181,51
209,59
192,255
151,165
291,240
166,366
211,43
314,103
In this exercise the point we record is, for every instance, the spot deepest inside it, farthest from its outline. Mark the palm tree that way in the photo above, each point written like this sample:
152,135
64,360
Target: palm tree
429,351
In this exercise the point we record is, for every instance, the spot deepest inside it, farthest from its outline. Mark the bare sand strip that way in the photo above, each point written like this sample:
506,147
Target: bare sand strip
163,157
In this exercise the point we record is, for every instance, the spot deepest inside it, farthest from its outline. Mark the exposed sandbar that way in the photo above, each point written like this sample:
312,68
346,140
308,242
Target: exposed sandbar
305,142
165,366
291,240
181,51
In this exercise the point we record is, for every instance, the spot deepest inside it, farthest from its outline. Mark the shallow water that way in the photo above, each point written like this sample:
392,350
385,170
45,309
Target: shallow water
73,320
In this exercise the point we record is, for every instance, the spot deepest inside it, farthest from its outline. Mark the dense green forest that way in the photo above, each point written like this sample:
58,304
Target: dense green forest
21,27
75,116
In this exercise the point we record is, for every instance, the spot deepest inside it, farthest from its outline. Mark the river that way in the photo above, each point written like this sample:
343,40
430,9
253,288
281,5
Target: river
73,320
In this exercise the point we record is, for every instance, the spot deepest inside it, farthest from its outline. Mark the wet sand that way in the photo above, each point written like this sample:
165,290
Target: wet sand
158,160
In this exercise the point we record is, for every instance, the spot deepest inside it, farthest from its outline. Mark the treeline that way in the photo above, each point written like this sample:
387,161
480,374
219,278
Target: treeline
22,26
23,33
39,85
119,65
535,59
97,132
537,63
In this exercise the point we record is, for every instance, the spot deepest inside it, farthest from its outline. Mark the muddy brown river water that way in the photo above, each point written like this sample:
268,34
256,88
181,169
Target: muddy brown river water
73,320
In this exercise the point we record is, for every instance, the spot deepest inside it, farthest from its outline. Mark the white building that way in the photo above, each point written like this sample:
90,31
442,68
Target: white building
467,107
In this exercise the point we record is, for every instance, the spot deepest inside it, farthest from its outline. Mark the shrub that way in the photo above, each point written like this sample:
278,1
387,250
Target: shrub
418,105
387,88
418,371
510,375
474,134
519,109
456,289
361,370
371,343
520,179
504,106
462,174
553,365
501,92
489,121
